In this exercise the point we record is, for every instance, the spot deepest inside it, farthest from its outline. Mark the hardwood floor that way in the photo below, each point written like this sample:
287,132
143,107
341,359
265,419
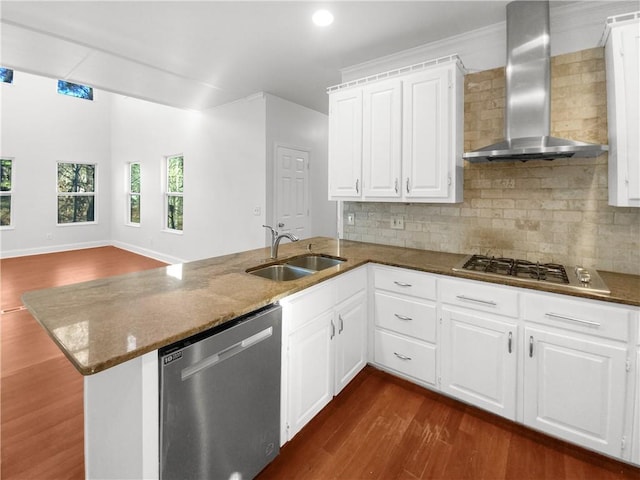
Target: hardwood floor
381,427
41,393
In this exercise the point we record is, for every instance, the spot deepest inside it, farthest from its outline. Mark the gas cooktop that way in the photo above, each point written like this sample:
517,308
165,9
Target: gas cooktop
578,278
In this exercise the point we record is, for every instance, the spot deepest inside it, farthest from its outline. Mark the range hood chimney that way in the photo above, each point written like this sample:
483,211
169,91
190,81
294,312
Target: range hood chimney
528,93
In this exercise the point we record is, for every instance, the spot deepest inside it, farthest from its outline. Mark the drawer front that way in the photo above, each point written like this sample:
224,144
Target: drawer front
480,296
406,315
406,282
406,356
346,285
585,316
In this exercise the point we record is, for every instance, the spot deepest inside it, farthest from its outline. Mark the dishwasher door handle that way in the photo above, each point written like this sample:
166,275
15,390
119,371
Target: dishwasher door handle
225,353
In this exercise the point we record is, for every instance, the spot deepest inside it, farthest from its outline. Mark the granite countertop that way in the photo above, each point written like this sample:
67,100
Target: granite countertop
102,323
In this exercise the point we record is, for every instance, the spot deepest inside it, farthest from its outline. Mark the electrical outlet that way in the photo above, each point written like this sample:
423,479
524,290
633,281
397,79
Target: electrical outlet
397,222
351,219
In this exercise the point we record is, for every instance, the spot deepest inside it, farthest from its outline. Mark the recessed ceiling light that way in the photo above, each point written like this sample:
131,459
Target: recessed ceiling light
322,18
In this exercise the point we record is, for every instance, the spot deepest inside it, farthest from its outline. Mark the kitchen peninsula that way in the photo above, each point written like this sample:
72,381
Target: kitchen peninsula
113,327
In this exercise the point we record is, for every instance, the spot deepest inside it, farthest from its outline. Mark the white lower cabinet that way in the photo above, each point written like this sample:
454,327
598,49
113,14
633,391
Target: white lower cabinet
310,371
636,408
479,360
324,346
577,363
350,340
562,365
574,388
405,321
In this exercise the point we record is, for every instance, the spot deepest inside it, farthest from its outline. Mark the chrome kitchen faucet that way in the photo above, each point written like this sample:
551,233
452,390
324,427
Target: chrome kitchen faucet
275,239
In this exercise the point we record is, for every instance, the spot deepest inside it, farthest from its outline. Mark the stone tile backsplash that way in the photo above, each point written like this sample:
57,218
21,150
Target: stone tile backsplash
549,211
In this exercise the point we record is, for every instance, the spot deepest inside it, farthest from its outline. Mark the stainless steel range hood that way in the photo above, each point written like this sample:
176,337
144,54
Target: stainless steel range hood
528,93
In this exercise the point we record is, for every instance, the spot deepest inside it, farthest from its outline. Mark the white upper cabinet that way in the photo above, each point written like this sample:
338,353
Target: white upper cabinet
622,55
381,137
411,133
432,135
345,144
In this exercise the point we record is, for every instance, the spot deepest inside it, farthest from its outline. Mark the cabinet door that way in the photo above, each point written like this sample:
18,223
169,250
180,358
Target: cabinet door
381,137
574,388
310,379
426,141
623,96
479,361
345,144
351,340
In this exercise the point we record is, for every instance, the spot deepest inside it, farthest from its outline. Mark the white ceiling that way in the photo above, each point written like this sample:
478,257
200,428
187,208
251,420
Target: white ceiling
206,53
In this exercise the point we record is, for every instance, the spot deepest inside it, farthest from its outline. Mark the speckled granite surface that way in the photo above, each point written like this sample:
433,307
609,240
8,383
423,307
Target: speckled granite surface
102,323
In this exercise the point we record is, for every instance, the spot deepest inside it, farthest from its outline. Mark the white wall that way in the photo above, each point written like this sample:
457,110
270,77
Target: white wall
292,125
574,27
224,169
39,128
228,152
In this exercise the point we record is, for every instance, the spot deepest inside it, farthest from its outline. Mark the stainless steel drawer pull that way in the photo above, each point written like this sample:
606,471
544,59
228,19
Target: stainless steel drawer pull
477,300
531,346
402,317
341,324
402,284
510,341
333,330
572,319
401,357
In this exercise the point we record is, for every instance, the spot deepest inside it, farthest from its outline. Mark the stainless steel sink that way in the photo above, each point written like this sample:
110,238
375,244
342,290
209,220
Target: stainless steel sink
315,262
281,273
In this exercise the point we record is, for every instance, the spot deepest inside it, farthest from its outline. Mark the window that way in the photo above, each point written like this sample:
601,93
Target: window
6,189
174,194
6,75
133,216
75,90
76,192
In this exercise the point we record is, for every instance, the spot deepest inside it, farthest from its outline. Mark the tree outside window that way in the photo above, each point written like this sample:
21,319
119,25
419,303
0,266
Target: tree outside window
175,192
76,192
6,191
134,193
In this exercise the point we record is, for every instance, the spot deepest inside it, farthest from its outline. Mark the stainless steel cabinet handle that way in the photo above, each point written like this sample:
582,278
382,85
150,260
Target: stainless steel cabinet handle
401,357
333,330
477,300
531,346
510,341
341,324
408,189
357,185
402,317
572,319
402,284
396,185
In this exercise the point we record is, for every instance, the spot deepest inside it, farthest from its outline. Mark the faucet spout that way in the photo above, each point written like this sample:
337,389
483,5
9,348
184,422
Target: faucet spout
276,238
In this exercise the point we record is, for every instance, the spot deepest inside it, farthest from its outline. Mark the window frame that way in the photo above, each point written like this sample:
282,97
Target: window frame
168,194
131,194
93,194
10,193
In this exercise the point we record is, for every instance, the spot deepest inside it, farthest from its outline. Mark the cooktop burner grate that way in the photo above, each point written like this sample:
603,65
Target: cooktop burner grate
534,271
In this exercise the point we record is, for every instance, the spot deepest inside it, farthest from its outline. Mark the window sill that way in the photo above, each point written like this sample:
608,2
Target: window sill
173,232
76,224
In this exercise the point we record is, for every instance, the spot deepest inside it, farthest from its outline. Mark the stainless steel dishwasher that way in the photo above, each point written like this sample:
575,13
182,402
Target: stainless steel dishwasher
220,400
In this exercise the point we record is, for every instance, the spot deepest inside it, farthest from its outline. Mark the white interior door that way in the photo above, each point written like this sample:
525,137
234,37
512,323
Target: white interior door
292,193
